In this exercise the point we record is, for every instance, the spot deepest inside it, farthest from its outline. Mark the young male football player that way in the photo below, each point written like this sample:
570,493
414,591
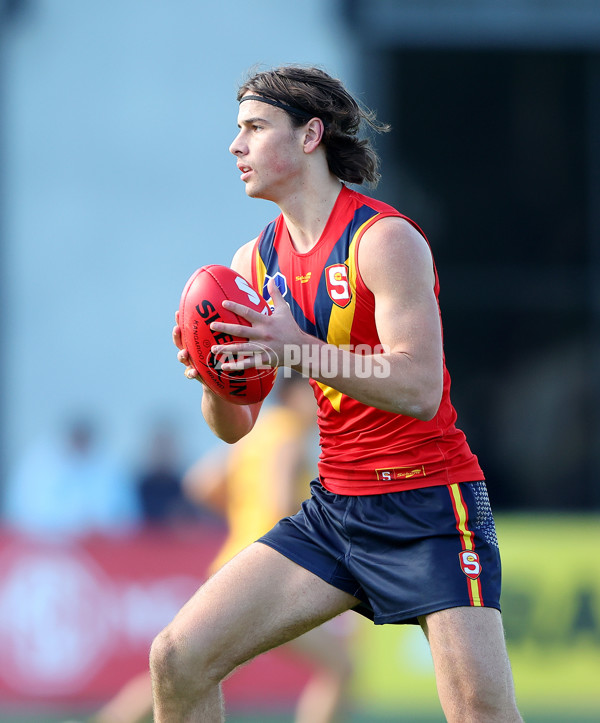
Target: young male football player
398,526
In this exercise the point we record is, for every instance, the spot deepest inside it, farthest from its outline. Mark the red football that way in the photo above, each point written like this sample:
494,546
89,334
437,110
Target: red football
200,305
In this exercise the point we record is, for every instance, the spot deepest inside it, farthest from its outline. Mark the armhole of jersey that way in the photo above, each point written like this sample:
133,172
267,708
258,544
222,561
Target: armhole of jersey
436,284
359,279
361,287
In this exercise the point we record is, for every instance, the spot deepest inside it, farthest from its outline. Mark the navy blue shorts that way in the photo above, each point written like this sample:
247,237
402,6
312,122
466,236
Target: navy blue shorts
402,554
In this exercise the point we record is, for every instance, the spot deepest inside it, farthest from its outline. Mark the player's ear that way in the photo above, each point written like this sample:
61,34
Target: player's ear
313,134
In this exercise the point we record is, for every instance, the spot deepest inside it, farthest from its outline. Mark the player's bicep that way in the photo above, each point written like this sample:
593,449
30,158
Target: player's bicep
397,266
411,328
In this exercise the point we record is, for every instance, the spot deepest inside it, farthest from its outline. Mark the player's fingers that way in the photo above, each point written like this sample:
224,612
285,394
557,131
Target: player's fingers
191,373
232,363
232,349
246,332
273,289
177,337
234,356
183,357
244,311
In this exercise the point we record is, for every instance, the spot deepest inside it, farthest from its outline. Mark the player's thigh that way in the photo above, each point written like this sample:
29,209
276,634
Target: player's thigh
257,601
469,640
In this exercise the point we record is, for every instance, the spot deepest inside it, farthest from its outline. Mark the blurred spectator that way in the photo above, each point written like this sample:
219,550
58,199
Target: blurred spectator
70,486
159,481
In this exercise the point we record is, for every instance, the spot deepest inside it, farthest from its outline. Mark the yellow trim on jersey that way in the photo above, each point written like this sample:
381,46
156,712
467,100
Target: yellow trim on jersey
261,270
333,395
340,319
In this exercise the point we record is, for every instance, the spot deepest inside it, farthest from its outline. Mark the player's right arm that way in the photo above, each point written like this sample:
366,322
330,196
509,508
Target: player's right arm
229,422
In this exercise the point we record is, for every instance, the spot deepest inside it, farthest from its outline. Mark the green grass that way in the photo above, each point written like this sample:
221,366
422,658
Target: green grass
356,718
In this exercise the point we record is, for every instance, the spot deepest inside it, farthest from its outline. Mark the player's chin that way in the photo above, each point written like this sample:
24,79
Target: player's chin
252,191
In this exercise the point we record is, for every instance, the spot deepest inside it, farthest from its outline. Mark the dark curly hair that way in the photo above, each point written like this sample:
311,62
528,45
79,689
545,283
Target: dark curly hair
317,94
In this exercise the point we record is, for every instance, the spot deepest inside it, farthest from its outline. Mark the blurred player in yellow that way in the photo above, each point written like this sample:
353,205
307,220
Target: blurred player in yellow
253,484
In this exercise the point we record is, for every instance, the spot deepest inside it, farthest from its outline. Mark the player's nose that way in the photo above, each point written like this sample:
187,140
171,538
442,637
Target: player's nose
237,147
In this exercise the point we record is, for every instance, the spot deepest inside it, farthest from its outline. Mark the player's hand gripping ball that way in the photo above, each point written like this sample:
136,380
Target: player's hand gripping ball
200,305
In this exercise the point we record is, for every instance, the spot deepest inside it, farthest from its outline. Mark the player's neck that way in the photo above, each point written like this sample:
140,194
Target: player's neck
307,213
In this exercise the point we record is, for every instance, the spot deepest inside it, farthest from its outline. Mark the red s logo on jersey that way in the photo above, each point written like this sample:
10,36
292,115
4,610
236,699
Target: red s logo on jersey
338,285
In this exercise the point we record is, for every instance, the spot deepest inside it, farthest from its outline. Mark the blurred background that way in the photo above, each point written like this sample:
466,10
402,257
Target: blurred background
116,184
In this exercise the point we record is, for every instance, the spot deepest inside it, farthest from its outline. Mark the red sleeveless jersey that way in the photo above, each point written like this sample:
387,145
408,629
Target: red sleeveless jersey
364,450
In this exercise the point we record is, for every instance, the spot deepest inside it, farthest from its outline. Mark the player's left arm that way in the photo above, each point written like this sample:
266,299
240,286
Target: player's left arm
396,265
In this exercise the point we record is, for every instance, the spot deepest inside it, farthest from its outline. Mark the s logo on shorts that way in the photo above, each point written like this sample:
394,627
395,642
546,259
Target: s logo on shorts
469,563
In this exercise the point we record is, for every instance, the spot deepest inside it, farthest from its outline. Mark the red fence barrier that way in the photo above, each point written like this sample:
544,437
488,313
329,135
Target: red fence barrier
77,617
